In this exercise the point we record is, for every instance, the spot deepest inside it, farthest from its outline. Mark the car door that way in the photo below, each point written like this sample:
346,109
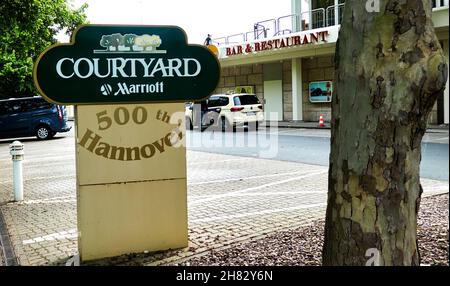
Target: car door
43,112
18,119
4,119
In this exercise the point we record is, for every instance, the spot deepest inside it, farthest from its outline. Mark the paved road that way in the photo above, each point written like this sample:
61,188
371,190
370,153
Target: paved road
230,200
309,146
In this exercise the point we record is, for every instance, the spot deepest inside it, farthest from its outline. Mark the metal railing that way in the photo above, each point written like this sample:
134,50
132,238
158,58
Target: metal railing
331,14
220,41
313,19
234,36
268,25
292,26
259,30
250,36
283,32
316,18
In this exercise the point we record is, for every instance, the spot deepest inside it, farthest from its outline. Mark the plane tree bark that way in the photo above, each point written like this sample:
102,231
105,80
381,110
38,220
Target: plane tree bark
389,71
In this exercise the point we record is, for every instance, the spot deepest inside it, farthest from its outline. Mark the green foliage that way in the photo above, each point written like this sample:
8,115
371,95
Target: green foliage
27,27
117,40
129,40
106,41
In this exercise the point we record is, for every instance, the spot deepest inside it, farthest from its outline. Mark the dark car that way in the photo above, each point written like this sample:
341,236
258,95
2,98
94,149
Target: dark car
317,92
31,116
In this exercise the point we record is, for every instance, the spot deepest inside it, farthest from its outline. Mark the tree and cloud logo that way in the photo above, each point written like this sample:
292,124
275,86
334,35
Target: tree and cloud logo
130,43
126,64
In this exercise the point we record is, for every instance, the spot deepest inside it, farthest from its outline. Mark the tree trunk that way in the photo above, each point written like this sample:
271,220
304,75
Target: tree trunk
390,69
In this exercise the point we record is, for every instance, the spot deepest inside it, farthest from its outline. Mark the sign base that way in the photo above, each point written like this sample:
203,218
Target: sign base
131,179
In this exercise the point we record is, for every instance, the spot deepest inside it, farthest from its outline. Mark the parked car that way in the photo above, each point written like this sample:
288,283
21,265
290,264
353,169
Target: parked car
317,92
228,111
31,116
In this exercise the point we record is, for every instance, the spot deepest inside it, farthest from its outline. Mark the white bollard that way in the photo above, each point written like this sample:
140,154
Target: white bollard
16,150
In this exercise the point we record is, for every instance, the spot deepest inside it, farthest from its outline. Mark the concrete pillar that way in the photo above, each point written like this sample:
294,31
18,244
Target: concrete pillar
297,90
336,12
446,96
296,8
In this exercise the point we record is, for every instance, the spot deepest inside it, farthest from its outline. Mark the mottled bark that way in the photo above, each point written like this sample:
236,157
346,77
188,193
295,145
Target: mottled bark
389,71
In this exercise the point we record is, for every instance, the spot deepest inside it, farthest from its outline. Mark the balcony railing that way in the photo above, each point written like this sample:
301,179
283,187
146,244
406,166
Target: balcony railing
317,18
331,14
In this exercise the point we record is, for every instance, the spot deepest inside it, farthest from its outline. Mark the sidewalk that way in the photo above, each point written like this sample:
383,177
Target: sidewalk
231,200
315,125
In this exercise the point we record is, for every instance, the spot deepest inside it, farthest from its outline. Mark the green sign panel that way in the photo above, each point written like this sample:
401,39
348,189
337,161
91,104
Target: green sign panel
126,64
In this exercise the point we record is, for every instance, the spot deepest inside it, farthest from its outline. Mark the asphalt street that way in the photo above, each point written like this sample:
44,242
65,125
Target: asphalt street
309,146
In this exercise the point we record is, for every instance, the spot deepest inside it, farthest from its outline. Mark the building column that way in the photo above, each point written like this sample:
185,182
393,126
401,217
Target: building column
296,8
446,96
297,89
336,12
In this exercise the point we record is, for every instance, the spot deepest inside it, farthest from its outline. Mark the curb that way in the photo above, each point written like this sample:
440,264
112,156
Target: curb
305,127
327,126
5,243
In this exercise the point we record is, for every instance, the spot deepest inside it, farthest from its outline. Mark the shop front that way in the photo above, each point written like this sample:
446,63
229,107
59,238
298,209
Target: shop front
288,62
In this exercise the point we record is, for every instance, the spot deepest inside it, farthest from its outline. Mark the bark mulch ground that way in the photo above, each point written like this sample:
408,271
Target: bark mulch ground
303,246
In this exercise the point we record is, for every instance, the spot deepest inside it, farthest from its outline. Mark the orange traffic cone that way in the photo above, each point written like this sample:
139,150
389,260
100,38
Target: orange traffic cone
321,123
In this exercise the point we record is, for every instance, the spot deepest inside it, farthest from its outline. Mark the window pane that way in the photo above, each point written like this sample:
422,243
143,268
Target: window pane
246,100
217,101
4,106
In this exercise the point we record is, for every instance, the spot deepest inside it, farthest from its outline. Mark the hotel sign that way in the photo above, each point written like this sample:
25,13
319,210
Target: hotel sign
126,64
278,43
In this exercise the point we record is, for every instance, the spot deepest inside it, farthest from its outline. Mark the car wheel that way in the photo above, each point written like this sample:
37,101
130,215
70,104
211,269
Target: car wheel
43,132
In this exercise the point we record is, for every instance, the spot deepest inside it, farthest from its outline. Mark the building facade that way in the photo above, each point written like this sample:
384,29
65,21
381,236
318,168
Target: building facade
288,61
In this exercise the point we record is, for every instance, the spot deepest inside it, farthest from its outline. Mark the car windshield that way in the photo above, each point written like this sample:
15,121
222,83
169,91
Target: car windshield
245,100
218,101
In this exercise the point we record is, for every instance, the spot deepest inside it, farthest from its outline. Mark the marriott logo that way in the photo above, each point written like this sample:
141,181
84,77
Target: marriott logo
128,89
